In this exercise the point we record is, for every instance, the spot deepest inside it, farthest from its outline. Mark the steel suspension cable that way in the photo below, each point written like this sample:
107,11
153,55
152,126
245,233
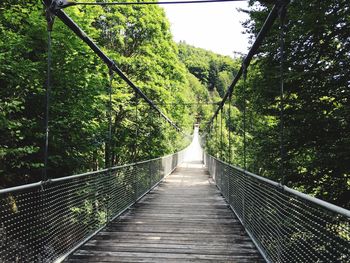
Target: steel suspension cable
260,37
65,3
52,6
188,103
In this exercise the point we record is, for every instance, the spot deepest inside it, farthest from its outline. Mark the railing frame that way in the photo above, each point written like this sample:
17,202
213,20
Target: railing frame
164,166
314,201
63,257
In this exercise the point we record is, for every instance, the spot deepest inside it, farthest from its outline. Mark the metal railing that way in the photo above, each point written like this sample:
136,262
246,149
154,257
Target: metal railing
45,221
285,225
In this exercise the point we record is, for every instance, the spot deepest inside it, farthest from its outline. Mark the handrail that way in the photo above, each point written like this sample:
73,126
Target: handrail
332,207
20,187
69,177
48,220
284,224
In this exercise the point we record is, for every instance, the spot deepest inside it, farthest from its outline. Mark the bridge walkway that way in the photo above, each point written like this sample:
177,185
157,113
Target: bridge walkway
184,219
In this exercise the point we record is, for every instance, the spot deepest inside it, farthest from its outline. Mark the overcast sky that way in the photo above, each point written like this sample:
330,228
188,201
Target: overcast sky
213,26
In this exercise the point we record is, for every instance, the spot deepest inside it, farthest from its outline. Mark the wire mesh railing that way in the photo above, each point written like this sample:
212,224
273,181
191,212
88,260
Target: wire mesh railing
285,225
45,221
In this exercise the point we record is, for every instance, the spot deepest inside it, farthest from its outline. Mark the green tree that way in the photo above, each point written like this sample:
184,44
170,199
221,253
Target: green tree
138,38
316,95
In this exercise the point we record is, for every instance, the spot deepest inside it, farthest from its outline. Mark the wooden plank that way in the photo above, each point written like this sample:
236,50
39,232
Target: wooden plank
172,236
224,251
164,242
208,246
139,219
117,256
157,260
184,219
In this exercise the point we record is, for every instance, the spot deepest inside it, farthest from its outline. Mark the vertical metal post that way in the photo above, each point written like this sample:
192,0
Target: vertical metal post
282,15
159,163
229,148
207,141
136,126
150,167
216,135
150,174
221,142
244,118
43,194
136,194
109,160
50,19
150,115
229,129
244,139
47,108
109,148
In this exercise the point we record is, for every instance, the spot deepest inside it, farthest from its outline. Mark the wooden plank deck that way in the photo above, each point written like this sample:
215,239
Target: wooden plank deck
184,219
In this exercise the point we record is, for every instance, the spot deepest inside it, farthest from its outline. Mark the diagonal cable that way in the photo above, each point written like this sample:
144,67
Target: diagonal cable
108,61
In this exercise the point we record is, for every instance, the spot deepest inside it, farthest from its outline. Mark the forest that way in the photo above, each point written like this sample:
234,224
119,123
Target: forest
186,83
139,39
316,102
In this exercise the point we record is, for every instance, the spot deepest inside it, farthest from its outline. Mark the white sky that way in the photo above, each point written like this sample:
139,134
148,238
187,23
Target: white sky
212,26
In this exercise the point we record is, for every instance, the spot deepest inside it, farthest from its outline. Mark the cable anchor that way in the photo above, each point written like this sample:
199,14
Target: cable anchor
49,14
61,4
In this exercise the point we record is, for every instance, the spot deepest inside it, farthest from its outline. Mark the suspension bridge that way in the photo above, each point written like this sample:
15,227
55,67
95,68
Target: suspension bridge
184,219
184,207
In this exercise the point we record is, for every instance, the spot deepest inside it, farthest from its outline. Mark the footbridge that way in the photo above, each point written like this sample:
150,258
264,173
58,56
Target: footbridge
184,207
188,206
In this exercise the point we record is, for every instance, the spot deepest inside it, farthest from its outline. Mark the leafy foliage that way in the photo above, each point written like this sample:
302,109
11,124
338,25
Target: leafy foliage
316,120
213,70
180,79
139,40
